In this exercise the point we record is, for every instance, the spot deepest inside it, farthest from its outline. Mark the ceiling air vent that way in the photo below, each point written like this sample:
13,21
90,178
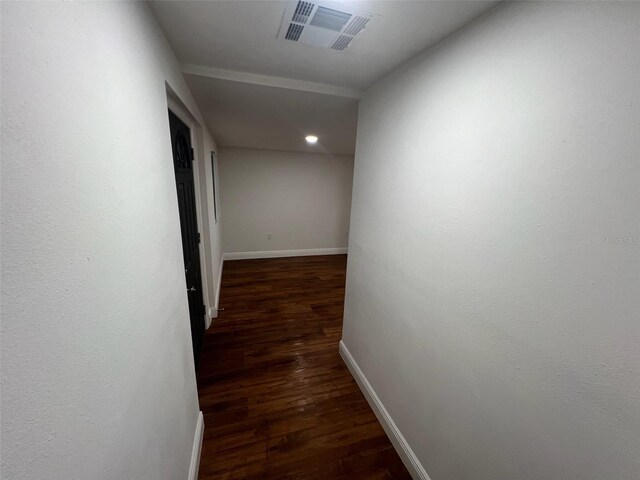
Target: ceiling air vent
303,10
328,24
356,25
330,19
342,42
293,32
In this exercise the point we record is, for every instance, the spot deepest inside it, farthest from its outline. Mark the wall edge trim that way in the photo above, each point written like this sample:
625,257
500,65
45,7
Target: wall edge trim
284,253
400,444
217,299
194,466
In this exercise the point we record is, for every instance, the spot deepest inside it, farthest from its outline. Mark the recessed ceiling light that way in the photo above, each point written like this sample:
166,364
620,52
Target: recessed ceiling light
311,138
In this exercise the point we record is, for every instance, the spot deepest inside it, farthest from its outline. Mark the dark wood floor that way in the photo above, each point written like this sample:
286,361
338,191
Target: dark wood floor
278,401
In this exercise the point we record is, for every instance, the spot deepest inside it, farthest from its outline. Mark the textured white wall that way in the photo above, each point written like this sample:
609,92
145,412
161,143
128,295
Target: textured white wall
97,369
302,199
493,286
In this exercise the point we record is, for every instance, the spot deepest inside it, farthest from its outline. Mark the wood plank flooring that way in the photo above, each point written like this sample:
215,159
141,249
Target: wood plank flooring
278,401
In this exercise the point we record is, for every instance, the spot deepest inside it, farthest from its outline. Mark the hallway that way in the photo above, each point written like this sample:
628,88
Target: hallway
278,401
319,239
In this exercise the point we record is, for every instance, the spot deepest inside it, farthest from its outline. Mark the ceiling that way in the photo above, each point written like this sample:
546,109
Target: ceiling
258,91
258,116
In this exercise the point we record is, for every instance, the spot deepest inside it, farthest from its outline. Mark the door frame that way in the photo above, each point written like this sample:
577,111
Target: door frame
175,105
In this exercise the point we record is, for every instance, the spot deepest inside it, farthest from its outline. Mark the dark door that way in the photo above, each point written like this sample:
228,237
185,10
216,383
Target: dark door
183,166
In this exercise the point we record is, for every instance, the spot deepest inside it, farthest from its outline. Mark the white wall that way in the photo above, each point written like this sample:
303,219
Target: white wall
494,258
302,199
97,369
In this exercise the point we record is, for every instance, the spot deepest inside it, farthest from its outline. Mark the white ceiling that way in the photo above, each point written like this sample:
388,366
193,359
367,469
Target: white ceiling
237,41
242,35
258,116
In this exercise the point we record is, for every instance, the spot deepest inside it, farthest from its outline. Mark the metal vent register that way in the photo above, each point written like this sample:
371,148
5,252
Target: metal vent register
332,25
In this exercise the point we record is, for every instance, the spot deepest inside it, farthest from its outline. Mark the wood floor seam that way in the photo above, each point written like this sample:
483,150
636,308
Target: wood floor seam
277,399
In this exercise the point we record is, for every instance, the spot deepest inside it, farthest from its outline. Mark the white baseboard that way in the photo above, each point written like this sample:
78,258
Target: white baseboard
409,458
284,253
197,449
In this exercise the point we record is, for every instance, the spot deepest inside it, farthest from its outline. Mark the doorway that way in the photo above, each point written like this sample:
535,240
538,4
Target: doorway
185,189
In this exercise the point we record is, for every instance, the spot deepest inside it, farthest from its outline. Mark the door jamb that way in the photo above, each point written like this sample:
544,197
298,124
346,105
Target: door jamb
183,114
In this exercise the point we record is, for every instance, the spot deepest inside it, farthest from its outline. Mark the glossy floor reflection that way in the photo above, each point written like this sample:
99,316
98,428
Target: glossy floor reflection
278,401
